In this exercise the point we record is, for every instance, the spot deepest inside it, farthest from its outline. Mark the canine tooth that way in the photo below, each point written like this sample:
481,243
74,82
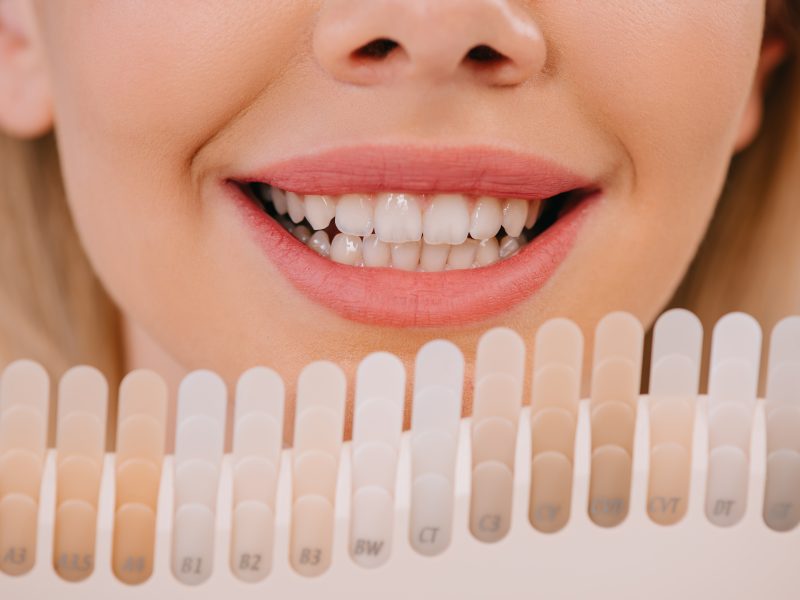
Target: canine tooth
346,249
320,210
294,205
320,243
301,232
486,219
533,213
278,197
376,253
515,212
446,220
463,255
508,246
354,214
405,256
398,217
488,252
433,256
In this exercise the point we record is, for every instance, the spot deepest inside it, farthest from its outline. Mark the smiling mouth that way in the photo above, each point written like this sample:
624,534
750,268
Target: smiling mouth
412,231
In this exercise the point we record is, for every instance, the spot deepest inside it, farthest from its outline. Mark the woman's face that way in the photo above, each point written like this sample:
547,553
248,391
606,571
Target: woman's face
163,111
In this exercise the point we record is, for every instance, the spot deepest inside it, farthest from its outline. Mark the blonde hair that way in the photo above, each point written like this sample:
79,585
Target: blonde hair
53,308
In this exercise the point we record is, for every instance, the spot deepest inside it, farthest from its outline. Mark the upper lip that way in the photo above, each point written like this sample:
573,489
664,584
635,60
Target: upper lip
470,170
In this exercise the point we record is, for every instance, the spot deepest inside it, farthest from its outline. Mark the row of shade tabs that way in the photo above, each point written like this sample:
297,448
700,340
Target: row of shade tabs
378,414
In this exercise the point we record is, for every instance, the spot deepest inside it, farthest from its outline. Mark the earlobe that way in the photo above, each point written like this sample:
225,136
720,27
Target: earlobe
26,109
773,51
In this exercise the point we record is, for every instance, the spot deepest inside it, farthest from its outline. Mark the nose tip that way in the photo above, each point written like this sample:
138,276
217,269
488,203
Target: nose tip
368,42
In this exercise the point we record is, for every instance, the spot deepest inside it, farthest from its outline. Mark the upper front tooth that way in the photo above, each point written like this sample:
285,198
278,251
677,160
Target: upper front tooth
446,219
294,204
487,218
397,218
319,210
354,214
278,200
515,212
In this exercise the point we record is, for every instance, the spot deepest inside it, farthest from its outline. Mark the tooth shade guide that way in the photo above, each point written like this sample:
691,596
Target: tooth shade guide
668,491
676,354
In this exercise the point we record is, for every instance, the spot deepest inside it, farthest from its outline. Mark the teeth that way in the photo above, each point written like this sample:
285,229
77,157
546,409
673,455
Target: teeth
463,255
346,249
301,232
433,257
446,219
320,210
398,218
508,246
294,205
376,253
533,213
405,256
320,243
486,219
515,212
278,197
354,214
488,252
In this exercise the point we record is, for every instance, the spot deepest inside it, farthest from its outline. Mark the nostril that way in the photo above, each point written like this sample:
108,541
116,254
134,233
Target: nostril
376,49
485,54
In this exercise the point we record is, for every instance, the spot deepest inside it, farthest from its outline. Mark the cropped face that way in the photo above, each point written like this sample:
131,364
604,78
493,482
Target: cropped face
281,182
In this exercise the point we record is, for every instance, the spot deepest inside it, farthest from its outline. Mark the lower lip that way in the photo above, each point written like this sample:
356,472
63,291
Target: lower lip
394,298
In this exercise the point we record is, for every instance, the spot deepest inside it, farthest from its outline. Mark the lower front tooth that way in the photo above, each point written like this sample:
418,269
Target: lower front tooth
508,246
463,255
346,249
301,232
433,257
320,243
488,252
376,253
294,205
405,256
278,198
320,210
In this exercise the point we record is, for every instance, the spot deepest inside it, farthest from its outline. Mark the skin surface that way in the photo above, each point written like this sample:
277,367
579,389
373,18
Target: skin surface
151,107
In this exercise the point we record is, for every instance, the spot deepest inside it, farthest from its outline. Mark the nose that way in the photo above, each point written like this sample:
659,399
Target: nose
370,42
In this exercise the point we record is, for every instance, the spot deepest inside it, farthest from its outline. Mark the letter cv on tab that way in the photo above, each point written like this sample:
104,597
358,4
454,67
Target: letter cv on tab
318,432
616,377
141,436
674,381
199,444
782,491
377,428
80,448
555,393
732,388
24,409
435,422
497,401
257,445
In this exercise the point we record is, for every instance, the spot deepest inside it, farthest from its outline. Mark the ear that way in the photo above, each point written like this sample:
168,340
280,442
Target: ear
26,109
773,51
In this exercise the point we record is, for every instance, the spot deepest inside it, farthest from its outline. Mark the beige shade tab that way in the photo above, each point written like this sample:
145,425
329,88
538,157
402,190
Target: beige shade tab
551,491
321,384
137,482
20,473
490,501
371,526
615,379
80,434
558,341
78,478
782,493
141,436
676,354
557,386
260,390
255,479
252,541
610,485
25,383
497,395
494,438
374,464
319,428
619,335
500,350
314,473
143,392
74,539
726,485
18,520
83,389
23,427
783,428
671,420
553,430
311,541
133,543
257,434
613,424
669,477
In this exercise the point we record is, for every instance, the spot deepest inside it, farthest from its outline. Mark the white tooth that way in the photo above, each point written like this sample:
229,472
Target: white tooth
463,255
486,219
319,210
354,214
488,252
446,220
433,256
294,205
278,200
346,249
508,246
376,253
405,256
397,217
301,232
515,212
533,213
320,243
